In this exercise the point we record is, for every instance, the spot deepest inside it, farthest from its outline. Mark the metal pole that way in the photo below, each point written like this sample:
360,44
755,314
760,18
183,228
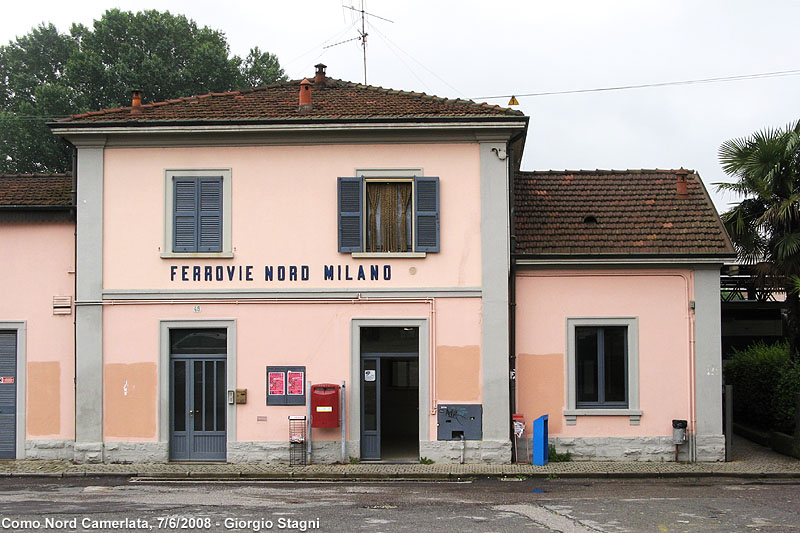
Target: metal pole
308,422
728,421
344,423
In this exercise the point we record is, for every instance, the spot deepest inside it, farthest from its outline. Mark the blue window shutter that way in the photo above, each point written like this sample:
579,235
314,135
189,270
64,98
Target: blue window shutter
426,227
185,215
350,199
210,215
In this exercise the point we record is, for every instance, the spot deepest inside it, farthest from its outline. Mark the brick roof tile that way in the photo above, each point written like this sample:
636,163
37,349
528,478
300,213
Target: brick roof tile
51,190
636,212
337,99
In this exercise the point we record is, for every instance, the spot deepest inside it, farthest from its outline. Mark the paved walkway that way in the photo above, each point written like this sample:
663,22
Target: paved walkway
749,460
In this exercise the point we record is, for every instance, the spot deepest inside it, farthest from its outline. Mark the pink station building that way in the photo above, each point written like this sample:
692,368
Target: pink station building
212,260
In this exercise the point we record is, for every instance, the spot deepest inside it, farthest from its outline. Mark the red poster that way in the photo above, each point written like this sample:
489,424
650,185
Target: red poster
277,383
295,380
6,380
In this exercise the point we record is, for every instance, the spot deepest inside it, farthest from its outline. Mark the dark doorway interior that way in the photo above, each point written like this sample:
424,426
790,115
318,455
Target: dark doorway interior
397,396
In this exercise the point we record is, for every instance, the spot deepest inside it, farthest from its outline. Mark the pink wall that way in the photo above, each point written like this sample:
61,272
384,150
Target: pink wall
38,265
316,335
276,221
660,300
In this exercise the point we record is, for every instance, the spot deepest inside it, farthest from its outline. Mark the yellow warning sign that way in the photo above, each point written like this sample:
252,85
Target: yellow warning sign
513,101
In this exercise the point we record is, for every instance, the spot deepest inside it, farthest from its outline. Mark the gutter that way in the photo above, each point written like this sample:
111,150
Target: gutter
337,125
36,207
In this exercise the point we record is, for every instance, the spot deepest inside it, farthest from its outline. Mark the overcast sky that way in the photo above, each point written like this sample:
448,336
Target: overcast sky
476,49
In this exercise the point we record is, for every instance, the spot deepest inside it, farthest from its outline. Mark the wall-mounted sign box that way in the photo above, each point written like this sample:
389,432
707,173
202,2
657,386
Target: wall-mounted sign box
286,385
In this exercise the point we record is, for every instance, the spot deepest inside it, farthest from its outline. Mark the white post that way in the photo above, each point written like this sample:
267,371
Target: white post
308,422
344,424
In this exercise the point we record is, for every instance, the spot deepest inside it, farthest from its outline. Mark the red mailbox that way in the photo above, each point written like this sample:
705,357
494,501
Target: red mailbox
325,405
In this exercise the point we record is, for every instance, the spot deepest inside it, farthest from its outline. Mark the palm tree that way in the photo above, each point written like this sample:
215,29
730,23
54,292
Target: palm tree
765,225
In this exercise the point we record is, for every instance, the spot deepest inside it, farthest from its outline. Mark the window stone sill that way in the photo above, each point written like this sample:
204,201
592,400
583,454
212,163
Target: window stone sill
197,255
388,255
572,414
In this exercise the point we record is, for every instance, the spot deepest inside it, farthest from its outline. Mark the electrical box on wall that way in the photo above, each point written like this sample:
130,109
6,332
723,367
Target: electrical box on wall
286,385
457,420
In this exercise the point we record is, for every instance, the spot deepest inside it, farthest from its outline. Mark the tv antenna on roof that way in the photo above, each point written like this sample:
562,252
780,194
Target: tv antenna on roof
362,34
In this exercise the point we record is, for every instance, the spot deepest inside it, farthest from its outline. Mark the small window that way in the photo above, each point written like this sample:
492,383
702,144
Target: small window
388,215
601,366
198,213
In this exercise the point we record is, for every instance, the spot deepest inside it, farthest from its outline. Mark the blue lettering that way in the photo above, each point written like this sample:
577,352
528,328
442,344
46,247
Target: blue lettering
220,273
281,273
196,273
231,272
267,273
387,272
328,271
184,273
339,270
304,273
373,273
292,273
249,273
172,270
209,274
361,272
347,272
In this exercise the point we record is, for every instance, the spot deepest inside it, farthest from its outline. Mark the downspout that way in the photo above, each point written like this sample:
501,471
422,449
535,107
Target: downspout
74,213
512,298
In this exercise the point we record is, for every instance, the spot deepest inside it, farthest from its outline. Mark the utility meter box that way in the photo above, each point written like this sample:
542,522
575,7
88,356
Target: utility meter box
325,405
460,421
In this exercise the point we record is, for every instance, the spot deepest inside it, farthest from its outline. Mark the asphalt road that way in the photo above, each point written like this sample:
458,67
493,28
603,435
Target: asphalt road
486,505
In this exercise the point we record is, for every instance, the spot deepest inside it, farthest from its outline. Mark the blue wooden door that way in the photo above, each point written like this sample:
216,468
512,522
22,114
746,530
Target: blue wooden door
198,410
8,394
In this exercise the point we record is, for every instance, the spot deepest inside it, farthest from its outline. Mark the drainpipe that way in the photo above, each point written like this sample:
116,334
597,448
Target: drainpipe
74,212
512,297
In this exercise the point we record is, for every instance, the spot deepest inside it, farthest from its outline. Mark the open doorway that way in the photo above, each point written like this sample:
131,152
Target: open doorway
390,394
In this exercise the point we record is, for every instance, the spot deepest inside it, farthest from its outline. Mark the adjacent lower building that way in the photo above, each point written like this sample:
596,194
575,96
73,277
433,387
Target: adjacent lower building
344,252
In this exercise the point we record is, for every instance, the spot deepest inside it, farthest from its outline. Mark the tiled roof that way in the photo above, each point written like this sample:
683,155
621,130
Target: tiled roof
336,100
615,212
29,190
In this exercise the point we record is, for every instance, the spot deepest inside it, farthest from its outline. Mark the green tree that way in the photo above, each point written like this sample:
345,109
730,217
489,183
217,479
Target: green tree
765,225
46,75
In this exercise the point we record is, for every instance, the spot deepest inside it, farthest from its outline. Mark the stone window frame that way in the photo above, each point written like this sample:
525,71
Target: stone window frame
169,211
572,412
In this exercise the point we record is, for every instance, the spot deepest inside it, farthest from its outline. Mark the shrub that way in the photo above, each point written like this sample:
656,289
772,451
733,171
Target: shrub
755,374
787,388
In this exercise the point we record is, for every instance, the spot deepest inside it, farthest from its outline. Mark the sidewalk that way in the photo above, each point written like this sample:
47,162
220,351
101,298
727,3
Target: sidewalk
749,461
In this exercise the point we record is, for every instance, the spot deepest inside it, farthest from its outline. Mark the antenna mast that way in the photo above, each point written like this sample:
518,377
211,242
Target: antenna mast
364,41
362,34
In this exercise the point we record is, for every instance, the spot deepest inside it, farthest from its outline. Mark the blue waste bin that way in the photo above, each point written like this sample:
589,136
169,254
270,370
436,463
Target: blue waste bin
541,450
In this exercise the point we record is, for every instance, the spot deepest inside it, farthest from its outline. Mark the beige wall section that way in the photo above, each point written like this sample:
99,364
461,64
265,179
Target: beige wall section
269,230
540,388
657,298
458,372
44,398
129,408
39,264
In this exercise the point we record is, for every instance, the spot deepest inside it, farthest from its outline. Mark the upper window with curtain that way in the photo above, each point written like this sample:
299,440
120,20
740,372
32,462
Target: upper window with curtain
388,217
388,214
